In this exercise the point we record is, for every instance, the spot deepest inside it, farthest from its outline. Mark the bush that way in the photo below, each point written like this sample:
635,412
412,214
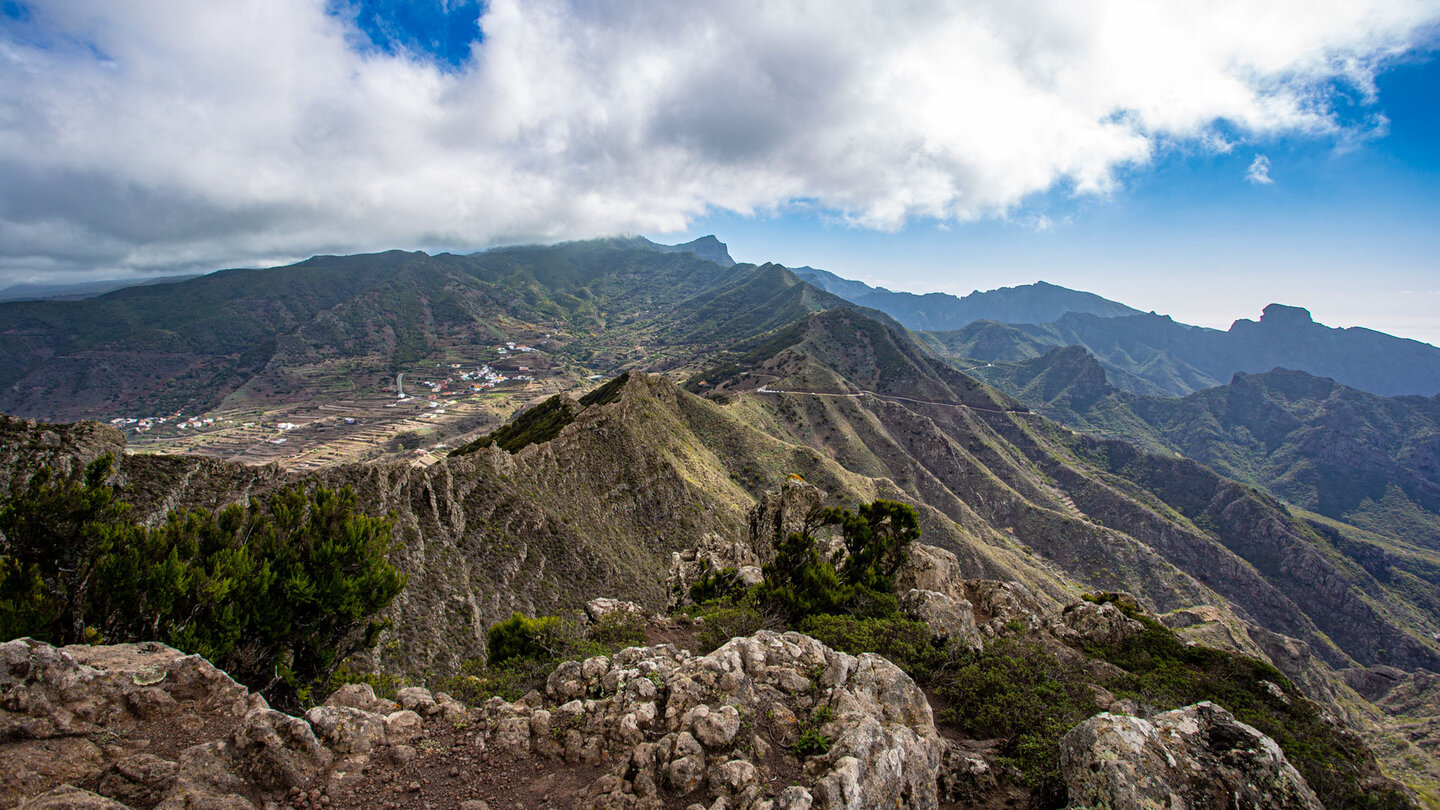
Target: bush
277,594
800,583
811,743
1019,691
543,638
1163,672
724,622
907,644
712,584
524,651
618,630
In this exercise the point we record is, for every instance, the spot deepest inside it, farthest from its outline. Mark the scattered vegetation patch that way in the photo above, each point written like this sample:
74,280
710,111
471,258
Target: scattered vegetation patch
1164,672
538,425
523,651
277,593
1019,691
908,644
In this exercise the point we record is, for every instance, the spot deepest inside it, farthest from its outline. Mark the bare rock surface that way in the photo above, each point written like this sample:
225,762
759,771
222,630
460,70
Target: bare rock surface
144,726
952,619
1198,756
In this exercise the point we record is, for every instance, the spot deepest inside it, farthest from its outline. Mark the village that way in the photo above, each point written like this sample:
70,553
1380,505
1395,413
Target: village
419,414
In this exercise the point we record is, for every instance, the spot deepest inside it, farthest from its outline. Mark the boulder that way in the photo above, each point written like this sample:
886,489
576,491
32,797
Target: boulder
69,797
597,609
1196,756
1004,609
948,618
141,780
274,751
930,568
1103,624
345,730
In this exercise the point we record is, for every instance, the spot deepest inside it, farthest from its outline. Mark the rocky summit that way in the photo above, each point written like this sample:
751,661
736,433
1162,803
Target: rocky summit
145,726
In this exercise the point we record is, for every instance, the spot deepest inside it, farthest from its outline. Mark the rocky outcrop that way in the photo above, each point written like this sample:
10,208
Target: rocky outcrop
709,726
713,554
1199,756
766,722
948,618
1099,624
779,514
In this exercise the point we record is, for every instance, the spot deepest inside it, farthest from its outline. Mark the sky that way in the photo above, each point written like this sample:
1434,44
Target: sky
1200,159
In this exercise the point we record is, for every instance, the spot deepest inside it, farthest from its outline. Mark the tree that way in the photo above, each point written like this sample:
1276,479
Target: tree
803,583
52,539
277,593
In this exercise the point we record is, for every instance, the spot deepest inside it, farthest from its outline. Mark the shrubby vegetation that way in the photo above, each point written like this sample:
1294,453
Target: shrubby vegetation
276,593
524,651
802,582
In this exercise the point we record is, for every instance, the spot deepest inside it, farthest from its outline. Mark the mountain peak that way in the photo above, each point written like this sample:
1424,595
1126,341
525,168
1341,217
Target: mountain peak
1282,315
706,247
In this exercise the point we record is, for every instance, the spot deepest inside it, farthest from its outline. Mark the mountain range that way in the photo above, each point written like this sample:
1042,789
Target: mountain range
1146,353
1367,460
1281,516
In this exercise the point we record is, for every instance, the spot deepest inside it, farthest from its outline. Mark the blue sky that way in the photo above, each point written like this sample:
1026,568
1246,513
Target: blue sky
1350,231
1117,146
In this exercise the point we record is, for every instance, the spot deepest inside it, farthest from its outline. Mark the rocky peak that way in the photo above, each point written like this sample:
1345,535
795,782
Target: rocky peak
1285,316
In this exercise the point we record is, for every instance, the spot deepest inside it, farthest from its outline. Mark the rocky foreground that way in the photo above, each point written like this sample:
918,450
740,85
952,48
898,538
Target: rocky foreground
768,722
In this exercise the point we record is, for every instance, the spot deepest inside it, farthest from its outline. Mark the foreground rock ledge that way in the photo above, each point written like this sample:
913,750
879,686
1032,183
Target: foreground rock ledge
1195,757
143,725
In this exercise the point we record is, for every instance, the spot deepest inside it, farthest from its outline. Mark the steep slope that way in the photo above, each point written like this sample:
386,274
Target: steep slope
1370,461
1106,514
1155,355
1040,302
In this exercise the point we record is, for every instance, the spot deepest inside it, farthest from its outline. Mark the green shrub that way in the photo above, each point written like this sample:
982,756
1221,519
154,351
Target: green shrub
908,644
725,622
1019,691
800,583
619,629
543,638
277,593
722,584
1163,672
811,743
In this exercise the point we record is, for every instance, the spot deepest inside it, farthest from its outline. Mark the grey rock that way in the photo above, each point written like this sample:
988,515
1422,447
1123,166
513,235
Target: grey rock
948,618
1196,756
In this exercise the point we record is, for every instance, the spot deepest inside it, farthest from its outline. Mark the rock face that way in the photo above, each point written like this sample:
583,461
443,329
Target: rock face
1199,756
714,553
699,725
948,618
645,727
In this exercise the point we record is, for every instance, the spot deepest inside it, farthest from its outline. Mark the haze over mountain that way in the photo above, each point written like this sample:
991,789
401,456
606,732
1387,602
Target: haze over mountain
1032,303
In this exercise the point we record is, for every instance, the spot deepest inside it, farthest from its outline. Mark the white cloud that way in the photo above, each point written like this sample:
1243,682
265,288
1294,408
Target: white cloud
1259,171
175,134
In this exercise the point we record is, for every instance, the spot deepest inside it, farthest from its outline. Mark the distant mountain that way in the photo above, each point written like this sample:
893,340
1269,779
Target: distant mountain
76,292
863,392
706,247
782,380
189,345
1368,460
1152,354
1030,303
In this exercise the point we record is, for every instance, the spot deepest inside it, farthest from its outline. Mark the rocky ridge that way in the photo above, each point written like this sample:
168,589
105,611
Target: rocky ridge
766,722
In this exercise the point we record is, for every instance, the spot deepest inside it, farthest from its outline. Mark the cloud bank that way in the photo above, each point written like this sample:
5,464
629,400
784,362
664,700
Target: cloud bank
163,135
